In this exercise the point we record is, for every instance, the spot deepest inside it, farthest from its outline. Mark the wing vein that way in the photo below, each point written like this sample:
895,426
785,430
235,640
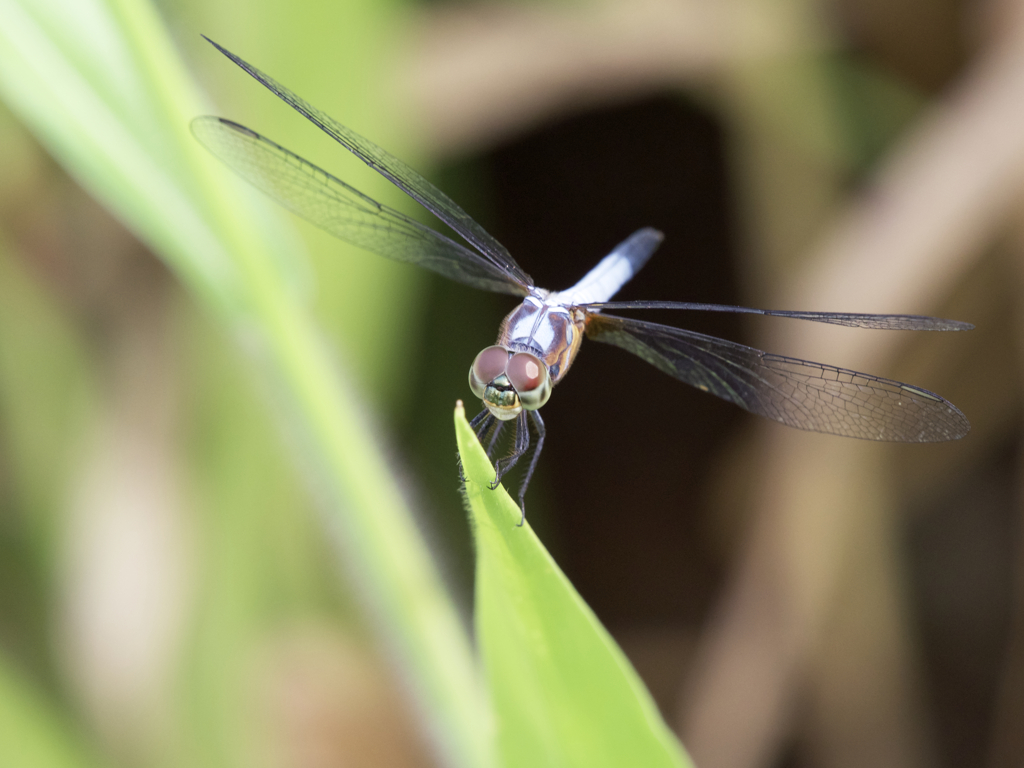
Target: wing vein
799,393
397,172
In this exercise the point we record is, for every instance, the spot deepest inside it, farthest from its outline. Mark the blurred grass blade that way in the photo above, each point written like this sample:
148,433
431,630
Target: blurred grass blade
32,734
100,86
89,121
563,692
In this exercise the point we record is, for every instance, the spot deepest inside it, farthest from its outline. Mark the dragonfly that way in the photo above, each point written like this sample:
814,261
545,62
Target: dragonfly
539,340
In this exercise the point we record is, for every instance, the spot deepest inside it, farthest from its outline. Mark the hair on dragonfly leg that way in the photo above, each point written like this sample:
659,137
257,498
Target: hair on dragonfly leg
488,433
522,444
479,419
479,424
494,437
485,423
538,422
505,463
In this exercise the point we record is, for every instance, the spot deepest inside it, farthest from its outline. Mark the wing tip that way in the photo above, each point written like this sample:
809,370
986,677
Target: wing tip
941,324
963,426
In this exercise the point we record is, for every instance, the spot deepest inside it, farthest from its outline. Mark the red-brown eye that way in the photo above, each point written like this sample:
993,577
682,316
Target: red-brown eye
490,363
525,372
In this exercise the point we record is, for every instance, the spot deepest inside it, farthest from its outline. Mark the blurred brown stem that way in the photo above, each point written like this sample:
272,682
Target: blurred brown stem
939,200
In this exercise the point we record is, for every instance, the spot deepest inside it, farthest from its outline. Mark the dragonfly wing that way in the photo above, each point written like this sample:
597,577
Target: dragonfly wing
849,319
802,394
344,211
397,172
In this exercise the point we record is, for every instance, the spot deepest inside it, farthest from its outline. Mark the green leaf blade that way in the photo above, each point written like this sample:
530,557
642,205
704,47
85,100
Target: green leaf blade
563,692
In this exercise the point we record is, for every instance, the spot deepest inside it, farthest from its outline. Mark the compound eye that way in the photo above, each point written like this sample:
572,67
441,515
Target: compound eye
525,372
488,365
530,378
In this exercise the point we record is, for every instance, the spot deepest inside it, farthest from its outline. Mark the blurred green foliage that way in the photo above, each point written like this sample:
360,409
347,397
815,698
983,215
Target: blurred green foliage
100,86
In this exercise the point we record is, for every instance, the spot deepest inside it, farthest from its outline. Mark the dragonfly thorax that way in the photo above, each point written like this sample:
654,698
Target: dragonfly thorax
551,330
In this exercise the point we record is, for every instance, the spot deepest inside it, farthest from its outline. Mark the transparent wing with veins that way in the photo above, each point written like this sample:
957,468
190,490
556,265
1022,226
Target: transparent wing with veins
399,174
799,393
849,319
344,211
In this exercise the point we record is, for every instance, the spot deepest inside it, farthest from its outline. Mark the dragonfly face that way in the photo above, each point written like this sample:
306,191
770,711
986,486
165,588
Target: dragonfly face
537,343
509,382
539,340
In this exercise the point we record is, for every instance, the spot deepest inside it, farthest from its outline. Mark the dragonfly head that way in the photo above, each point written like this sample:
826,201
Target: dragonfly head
509,382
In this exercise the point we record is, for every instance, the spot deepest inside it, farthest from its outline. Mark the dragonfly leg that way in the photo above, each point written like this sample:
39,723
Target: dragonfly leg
479,420
538,422
494,436
482,422
484,426
491,426
522,445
